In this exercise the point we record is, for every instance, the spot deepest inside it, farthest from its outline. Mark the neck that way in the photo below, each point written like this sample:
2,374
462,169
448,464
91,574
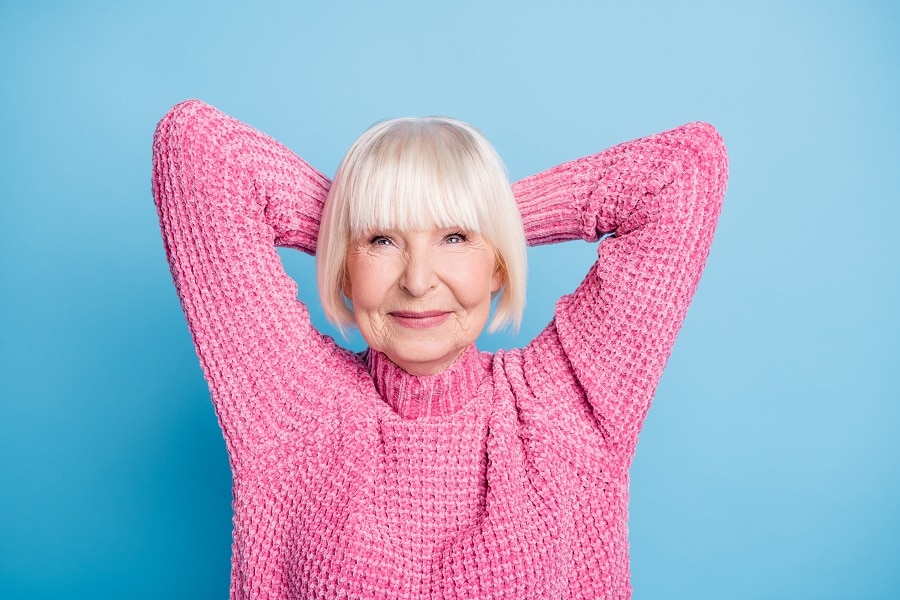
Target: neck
441,394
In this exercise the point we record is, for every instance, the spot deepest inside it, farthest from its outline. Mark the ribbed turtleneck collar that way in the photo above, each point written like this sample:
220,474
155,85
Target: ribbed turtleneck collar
413,397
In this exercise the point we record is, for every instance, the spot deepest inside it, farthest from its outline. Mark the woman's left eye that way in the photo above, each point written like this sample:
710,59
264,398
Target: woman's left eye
455,238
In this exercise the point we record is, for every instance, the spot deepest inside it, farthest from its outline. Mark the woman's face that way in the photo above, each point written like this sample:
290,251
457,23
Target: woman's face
421,297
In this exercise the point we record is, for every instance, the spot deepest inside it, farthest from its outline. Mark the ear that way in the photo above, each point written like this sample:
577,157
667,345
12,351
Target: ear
498,278
345,285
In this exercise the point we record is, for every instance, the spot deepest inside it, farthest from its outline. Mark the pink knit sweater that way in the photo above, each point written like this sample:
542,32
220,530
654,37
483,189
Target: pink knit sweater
505,476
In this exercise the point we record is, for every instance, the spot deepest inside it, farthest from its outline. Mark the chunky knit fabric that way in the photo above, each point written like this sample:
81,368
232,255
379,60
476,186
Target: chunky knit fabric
505,476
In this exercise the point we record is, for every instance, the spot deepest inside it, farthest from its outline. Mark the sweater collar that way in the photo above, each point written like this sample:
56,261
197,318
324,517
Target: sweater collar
438,395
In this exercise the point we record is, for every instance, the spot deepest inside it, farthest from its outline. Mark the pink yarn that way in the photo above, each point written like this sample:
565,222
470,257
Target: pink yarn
505,476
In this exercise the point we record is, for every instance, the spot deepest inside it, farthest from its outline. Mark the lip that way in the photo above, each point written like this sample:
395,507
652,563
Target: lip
420,320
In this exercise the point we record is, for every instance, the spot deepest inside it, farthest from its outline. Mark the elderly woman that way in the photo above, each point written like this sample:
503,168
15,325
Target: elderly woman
423,468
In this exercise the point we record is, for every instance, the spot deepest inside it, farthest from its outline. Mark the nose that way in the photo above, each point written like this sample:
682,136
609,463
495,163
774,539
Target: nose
419,274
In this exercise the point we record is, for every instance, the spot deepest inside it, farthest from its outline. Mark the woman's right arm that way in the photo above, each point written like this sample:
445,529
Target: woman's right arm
226,196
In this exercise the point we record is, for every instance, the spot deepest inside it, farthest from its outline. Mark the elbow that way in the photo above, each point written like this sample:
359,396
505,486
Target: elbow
172,141
188,134
177,124
707,146
707,158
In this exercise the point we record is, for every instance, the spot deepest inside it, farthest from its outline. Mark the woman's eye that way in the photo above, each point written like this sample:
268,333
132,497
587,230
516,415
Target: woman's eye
380,240
455,238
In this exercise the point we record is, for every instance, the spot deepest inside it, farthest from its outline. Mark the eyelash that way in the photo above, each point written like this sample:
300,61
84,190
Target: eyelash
377,239
458,234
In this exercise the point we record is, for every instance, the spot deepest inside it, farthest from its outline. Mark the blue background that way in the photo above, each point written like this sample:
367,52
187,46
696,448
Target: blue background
769,466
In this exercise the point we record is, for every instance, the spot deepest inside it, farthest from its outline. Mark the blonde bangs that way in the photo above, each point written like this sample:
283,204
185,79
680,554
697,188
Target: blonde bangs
415,179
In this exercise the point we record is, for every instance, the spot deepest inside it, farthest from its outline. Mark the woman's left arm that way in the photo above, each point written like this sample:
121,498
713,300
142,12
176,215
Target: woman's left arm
658,199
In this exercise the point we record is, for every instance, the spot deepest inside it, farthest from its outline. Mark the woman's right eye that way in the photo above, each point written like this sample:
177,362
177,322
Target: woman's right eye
380,240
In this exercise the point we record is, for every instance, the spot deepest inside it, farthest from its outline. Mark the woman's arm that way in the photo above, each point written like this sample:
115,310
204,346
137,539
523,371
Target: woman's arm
226,195
658,198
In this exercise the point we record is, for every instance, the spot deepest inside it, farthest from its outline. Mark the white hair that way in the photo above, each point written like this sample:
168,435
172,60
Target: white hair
416,174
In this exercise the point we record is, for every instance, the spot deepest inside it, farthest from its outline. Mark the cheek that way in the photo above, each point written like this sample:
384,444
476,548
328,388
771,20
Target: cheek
367,283
475,281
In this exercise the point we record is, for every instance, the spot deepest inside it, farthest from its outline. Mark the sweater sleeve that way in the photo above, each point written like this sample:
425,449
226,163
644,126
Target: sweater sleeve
226,195
658,200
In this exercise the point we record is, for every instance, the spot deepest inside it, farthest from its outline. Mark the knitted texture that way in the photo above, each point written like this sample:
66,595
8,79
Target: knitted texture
504,476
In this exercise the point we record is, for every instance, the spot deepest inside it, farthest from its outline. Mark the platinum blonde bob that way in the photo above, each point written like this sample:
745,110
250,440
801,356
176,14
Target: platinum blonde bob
415,174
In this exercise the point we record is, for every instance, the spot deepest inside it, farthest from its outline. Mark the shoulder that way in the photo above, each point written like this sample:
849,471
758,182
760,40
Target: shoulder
541,378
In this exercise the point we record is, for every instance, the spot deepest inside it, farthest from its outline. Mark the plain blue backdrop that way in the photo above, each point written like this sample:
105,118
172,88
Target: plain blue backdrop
769,466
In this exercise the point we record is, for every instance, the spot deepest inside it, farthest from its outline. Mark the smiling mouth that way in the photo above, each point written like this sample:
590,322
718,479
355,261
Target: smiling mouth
420,320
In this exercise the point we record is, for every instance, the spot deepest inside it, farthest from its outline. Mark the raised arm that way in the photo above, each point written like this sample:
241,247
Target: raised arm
226,195
658,198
